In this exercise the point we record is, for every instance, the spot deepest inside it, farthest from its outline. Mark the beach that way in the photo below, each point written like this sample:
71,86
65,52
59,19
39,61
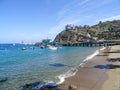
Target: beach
98,73
113,80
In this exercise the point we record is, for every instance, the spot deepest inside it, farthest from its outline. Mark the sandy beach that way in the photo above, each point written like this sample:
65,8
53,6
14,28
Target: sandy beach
97,74
113,80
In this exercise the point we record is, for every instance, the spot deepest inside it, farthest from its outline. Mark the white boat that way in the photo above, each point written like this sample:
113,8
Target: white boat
52,47
23,48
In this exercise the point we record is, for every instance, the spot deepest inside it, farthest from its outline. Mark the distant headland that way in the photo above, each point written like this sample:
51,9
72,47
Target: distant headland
109,30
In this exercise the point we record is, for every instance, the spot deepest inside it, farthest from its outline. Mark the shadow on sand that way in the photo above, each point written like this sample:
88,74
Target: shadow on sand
118,51
107,66
113,59
103,55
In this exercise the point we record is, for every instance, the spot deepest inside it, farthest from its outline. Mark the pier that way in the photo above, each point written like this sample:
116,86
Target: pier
93,44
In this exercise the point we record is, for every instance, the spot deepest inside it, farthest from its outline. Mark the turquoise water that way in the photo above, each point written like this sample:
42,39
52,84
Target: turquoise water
30,65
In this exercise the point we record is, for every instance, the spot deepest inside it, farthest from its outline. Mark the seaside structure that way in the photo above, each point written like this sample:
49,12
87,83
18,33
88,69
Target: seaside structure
73,27
45,42
93,43
48,41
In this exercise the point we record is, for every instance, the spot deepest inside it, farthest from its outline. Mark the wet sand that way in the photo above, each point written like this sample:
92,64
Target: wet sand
95,74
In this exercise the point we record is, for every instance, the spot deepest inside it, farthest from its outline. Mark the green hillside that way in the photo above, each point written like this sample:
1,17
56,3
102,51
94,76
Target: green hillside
103,30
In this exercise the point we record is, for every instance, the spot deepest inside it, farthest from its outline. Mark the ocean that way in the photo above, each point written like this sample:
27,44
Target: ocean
32,65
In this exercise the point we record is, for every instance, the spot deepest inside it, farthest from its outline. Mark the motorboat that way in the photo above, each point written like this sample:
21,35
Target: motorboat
52,47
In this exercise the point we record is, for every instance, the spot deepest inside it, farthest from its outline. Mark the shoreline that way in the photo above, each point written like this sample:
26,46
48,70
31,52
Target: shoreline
95,73
70,73
86,68
67,75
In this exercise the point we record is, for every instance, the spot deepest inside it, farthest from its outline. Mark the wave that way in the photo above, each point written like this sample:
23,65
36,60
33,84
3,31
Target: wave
73,71
70,73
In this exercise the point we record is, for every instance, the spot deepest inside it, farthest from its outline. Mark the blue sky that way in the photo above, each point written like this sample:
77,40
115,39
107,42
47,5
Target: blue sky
33,20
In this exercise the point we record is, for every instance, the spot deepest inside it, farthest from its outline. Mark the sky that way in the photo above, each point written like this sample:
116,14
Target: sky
34,20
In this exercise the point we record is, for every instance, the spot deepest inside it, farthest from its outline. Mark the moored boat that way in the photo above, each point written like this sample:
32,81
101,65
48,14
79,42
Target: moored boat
52,47
23,48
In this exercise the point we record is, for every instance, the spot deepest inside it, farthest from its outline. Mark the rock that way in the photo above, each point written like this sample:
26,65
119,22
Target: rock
44,88
72,87
57,65
66,36
3,79
51,85
39,86
33,86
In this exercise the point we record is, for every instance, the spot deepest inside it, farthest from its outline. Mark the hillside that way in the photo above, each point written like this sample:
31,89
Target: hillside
103,30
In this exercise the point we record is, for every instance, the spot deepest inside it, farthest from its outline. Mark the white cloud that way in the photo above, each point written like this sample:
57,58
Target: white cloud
61,25
79,12
117,17
71,9
68,15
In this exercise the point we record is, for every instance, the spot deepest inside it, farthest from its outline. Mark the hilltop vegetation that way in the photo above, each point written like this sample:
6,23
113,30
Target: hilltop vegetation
103,30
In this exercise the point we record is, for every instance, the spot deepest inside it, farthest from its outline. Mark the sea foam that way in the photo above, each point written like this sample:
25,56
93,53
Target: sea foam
73,71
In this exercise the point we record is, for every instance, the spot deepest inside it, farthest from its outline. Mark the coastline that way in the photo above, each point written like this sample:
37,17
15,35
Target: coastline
73,71
90,75
79,57
64,82
94,73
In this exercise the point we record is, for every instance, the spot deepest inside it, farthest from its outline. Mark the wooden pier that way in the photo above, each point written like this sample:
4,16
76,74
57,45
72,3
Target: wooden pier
92,44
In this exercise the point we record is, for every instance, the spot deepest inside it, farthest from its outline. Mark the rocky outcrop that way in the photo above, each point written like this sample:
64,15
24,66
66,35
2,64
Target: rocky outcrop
68,36
3,79
39,86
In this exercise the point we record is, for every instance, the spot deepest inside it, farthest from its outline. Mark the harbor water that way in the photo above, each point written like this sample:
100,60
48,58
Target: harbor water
36,64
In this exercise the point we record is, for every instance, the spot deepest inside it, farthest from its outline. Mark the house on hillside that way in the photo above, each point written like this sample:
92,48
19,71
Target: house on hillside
88,35
68,27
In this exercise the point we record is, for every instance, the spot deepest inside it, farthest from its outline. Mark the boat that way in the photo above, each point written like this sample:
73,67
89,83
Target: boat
23,48
52,47
42,46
